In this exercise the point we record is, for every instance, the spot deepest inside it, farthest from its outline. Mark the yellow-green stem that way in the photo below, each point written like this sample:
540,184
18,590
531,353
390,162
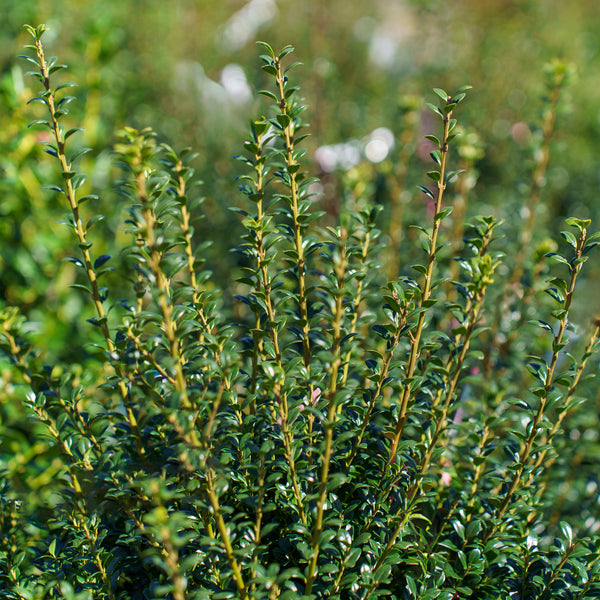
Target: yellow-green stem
265,283
80,229
526,450
331,418
425,294
357,299
290,161
162,284
473,310
222,527
542,457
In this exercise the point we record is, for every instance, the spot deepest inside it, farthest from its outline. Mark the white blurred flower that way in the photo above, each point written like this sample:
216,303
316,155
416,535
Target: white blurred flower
233,79
379,144
375,148
243,25
338,156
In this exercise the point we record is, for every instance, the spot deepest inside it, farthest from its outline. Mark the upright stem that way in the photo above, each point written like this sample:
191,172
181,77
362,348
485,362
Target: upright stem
224,531
68,175
162,283
356,301
527,449
80,229
385,367
187,234
542,457
263,283
338,315
292,170
425,295
441,422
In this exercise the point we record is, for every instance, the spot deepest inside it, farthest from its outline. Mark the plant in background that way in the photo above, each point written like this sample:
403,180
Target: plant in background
338,438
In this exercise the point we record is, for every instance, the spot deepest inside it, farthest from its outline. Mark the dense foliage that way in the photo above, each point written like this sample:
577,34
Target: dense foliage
355,416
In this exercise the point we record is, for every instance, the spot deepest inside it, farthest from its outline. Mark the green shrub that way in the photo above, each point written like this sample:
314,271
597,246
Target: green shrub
337,436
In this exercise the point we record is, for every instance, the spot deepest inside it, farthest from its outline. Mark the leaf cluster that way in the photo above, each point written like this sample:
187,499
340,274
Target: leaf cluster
338,437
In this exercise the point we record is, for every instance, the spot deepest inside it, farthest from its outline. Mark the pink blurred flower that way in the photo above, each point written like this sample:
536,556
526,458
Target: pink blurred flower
316,395
445,479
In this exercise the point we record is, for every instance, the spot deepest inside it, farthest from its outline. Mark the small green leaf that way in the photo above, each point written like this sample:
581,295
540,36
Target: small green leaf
79,286
56,68
267,47
268,94
443,213
88,197
557,258
287,50
38,98
74,260
464,88
270,69
290,67
436,156
65,84
40,122
453,174
93,220
543,325
538,370
33,61
435,109
567,531
79,153
448,109
54,188
78,180
72,131
102,259
283,120
580,224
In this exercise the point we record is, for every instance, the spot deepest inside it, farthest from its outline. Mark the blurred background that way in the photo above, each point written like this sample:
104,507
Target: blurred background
190,69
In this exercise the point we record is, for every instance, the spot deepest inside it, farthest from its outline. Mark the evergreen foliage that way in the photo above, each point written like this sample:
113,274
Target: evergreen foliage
336,434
